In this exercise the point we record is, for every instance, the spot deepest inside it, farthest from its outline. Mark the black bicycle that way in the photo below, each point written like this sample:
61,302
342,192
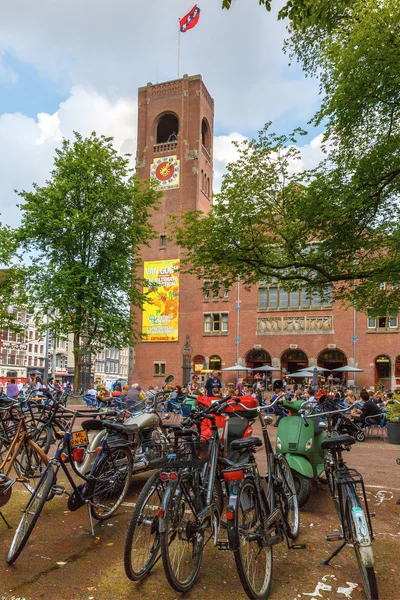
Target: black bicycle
103,489
258,519
346,486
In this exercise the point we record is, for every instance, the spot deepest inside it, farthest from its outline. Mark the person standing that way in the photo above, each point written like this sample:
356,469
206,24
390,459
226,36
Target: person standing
12,389
213,382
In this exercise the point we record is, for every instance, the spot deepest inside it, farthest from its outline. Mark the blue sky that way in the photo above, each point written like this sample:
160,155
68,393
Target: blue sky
68,66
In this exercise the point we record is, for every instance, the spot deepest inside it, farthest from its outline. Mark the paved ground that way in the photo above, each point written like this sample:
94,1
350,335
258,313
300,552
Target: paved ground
62,560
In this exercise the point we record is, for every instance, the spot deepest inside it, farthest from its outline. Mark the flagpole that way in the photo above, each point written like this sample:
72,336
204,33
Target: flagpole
179,45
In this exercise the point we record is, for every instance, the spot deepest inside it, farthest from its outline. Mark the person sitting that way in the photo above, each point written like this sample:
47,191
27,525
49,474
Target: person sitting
134,398
279,393
104,395
216,393
176,397
369,409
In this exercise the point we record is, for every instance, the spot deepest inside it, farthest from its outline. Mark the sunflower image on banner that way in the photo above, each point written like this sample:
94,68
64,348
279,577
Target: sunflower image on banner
160,314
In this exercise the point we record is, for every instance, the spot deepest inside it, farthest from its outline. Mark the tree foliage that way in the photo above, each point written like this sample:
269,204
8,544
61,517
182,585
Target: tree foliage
339,222
83,230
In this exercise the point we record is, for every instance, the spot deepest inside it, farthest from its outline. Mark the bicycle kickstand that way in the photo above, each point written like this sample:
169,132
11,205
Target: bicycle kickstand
334,553
5,520
90,519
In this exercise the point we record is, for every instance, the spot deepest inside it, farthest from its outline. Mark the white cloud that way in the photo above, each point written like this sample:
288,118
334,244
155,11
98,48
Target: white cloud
115,47
27,145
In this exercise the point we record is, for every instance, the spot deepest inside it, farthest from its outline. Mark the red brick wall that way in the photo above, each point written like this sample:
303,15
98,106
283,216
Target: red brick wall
190,101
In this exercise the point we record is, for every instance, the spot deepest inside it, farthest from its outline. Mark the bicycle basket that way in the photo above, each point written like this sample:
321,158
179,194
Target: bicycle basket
187,453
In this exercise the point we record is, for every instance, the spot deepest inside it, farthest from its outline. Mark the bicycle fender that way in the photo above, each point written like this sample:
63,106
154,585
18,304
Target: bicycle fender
300,464
162,520
233,538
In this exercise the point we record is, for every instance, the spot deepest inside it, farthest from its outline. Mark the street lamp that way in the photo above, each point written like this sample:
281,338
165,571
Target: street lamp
186,361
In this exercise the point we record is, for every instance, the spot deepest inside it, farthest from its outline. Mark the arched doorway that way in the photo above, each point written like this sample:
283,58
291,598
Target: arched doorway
382,371
292,361
331,359
397,372
199,364
214,363
257,358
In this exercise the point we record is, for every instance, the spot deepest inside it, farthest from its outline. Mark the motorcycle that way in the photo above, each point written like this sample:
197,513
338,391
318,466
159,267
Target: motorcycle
299,440
150,439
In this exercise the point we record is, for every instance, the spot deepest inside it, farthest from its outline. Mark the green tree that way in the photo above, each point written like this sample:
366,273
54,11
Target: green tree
82,231
339,222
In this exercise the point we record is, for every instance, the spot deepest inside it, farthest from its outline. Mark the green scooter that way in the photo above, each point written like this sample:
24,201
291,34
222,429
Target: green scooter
299,440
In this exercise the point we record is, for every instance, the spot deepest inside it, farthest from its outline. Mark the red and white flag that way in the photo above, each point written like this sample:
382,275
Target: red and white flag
190,20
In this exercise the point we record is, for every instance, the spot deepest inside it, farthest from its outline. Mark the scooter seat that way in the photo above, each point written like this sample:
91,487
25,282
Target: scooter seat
92,425
246,443
337,442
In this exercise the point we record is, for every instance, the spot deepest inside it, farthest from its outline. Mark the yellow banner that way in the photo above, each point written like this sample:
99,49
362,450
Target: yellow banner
160,317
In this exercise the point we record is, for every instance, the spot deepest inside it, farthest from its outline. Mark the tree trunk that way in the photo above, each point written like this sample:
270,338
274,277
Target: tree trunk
76,360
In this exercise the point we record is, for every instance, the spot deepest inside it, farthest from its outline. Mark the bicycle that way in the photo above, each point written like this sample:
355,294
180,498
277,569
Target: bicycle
259,519
103,489
22,453
344,484
177,505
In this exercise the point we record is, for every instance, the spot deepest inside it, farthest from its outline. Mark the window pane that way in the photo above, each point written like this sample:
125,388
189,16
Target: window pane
327,301
392,319
224,324
162,368
207,323
305,297
262,298
382,322
273,297
216,326
294,298
371,323
316,299
283,298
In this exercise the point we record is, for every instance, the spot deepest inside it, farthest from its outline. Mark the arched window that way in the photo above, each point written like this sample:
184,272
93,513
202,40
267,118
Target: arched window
202,180
205,134
293,360
331,359
257,358
167,129
215,363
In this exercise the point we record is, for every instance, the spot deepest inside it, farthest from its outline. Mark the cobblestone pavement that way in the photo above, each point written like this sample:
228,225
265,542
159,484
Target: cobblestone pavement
62,560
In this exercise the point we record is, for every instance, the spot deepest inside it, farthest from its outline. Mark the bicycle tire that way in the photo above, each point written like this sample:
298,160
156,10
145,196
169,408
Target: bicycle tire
110,483
357,531
138,562
290,504
183,538
252,556
42,437
29,465
31,514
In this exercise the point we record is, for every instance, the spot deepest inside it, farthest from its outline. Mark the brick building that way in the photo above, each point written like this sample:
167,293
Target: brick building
214,326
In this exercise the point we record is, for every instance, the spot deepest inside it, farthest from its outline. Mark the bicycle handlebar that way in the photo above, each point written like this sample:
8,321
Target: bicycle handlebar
332,412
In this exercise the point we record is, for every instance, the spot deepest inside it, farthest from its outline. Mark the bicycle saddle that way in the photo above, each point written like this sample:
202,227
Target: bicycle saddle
337,442
245,443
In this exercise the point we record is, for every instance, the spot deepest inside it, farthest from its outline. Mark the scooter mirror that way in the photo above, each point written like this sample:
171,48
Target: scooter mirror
268,419
306,409
169,378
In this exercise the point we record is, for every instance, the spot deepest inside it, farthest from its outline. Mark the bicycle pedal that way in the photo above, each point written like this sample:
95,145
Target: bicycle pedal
334,538
298,547
21,479
222,544
372,513
58,490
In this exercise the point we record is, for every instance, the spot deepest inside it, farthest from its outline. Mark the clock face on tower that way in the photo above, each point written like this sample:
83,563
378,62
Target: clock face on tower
165,171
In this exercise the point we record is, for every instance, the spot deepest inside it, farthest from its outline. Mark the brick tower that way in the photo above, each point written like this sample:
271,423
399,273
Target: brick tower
175,145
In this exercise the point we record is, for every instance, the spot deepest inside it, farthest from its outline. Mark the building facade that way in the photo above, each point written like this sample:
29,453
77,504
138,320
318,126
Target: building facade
214,327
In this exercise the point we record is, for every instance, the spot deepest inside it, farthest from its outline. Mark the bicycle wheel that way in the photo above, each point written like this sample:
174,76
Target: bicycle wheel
110,483
29,465
358,533
31,514
289,503
253,558
182,543
142,544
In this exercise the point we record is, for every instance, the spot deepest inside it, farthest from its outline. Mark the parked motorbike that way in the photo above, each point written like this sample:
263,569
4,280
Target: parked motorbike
150,437
299,440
